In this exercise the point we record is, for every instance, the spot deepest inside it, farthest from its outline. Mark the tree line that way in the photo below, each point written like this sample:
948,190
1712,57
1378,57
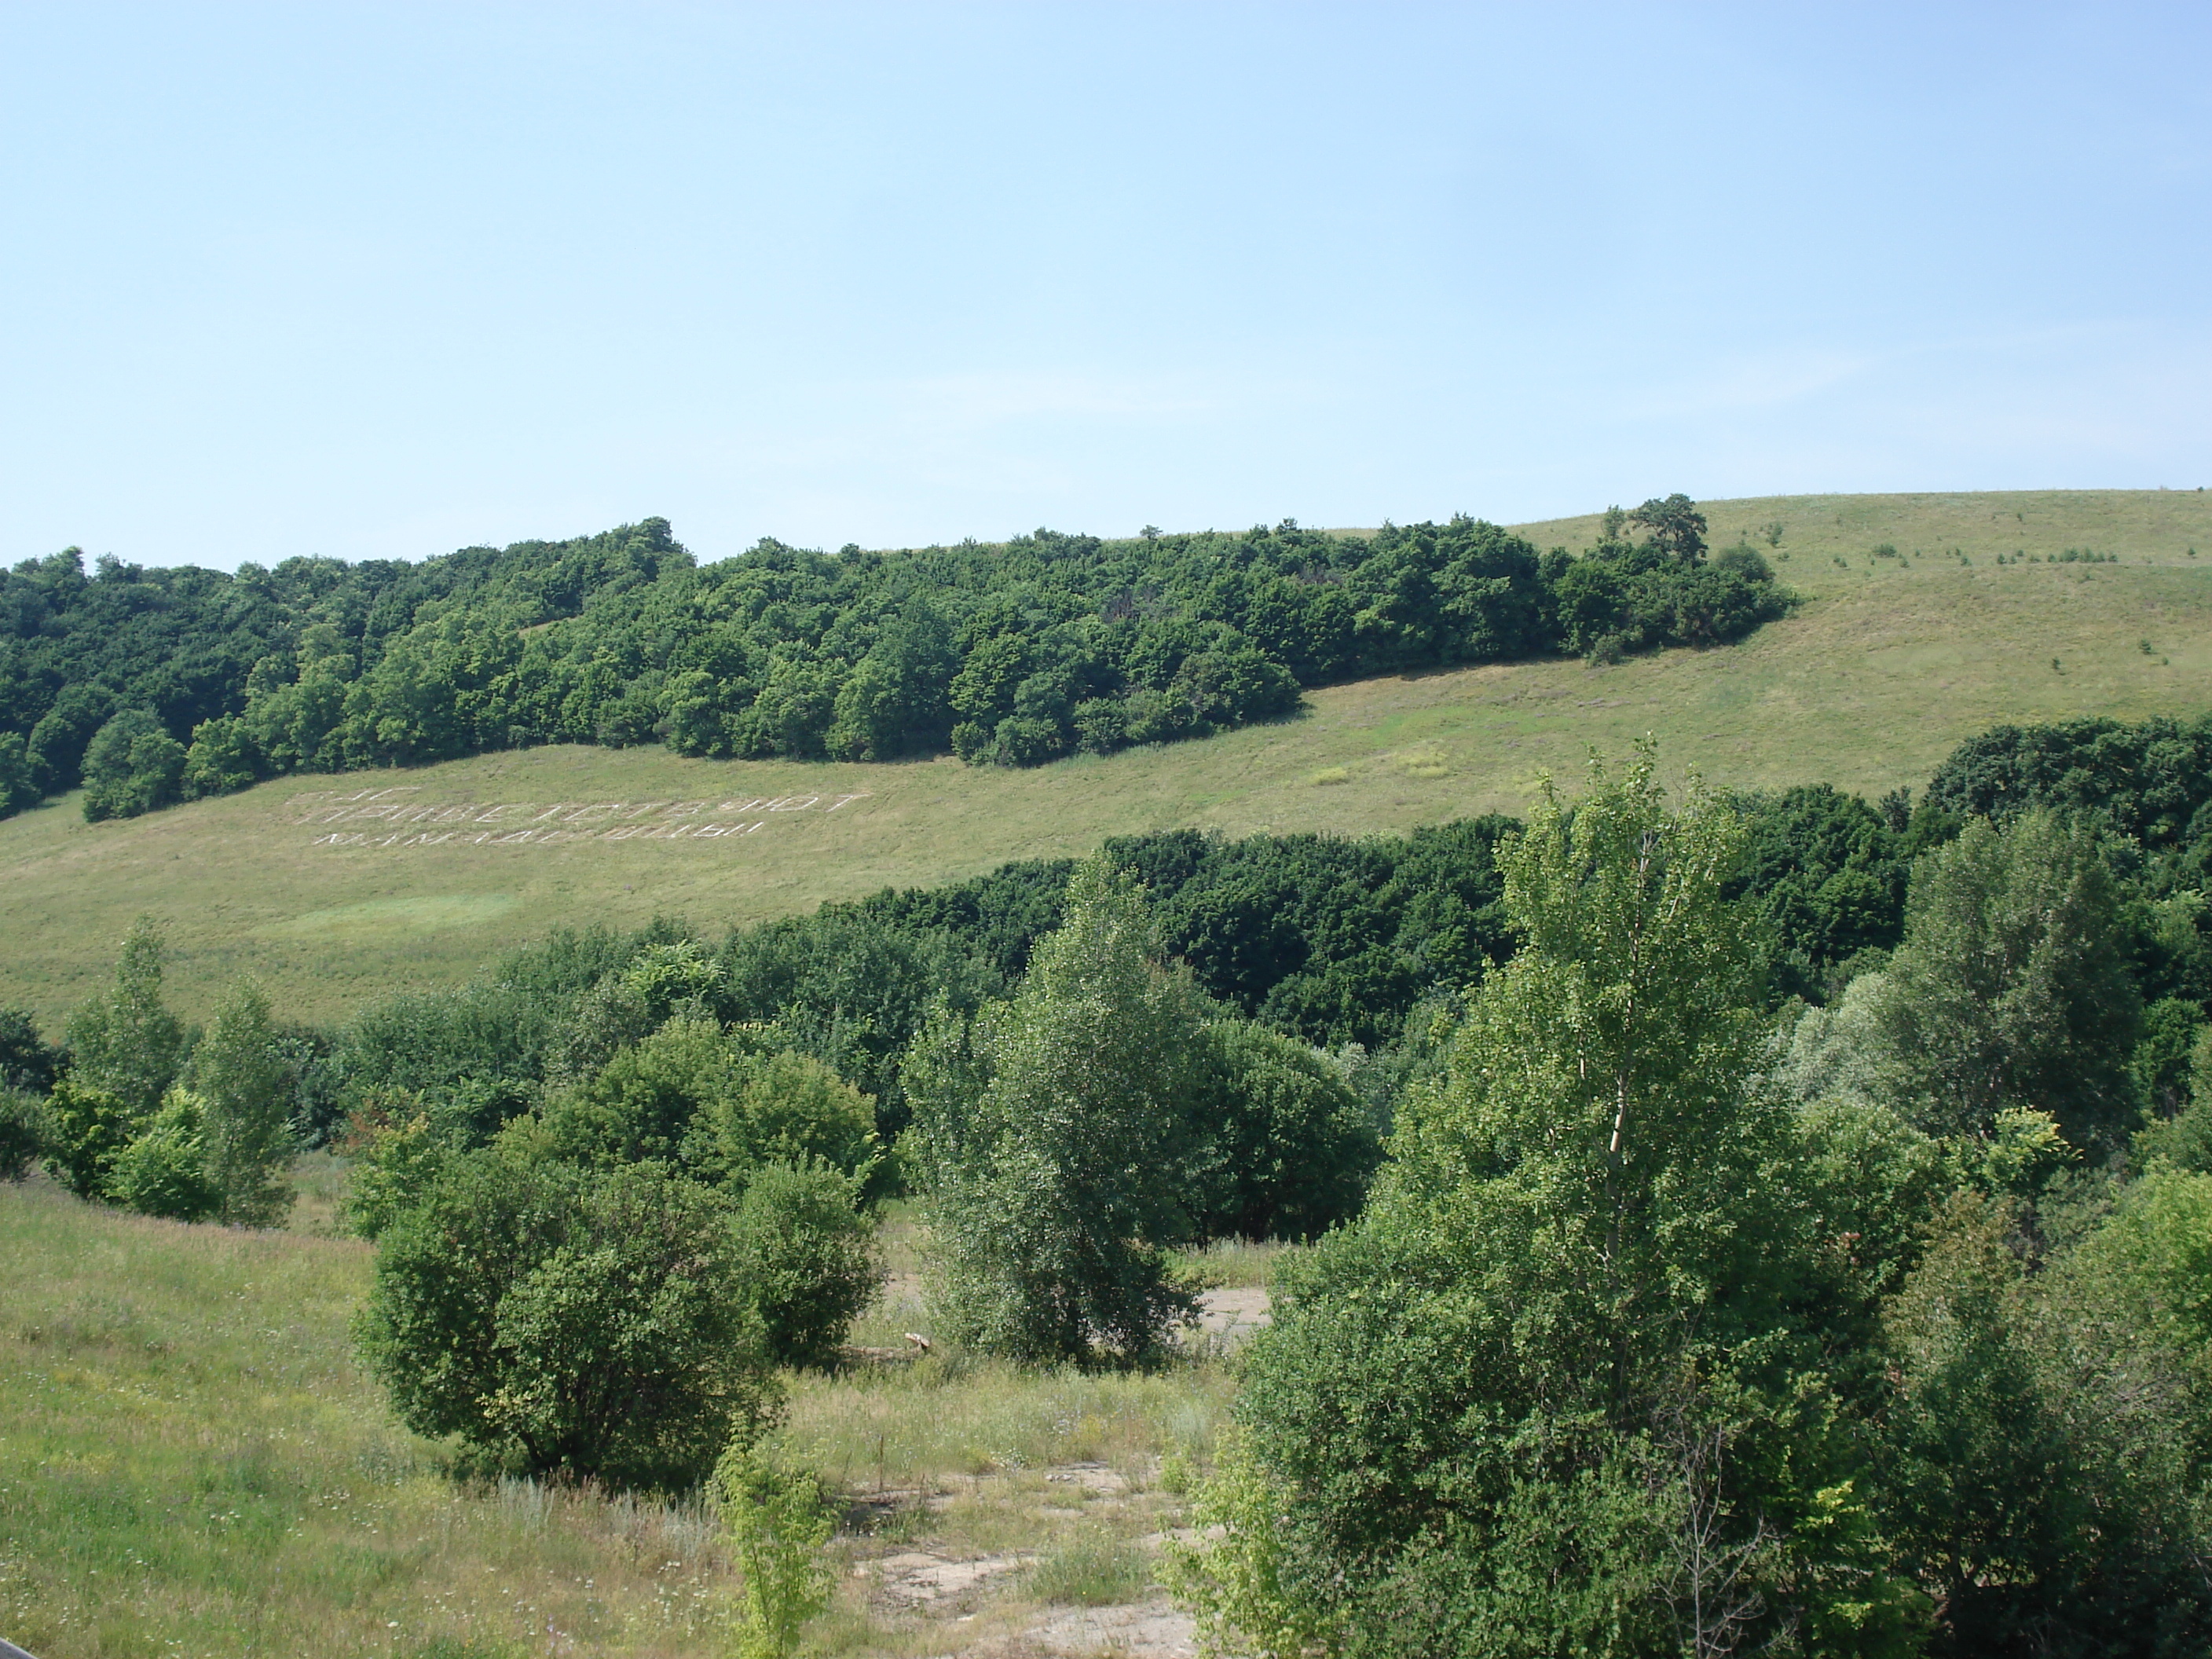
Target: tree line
154,686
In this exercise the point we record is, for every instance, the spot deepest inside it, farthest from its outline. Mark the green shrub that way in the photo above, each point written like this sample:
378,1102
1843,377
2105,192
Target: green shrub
164,1170
776,1520
240,1069
809,1257
395,1164
26,1131
1056,1145
26,1060
694,1093
570,1322
1294,1148
785,1107
90,1126
125,1041
132,766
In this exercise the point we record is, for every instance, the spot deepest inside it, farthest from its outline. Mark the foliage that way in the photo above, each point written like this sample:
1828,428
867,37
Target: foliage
240,1071
776,1520
19,789
2010,988
125,1042
807,1251
1243,1584
89,1128
2045,1445
164,1170
693,1092
26,1131
1014,654
588,1326
396,1160
132,766
1547,1394
26,1060
1294,1148
2171,1031
1055,1187
788,1109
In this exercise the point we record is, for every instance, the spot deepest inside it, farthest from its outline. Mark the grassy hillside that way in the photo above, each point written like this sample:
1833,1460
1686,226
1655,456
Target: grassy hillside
1890,662
192,1463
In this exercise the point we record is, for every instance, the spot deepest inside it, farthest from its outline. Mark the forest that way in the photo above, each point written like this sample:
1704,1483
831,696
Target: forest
154,686
1731,1223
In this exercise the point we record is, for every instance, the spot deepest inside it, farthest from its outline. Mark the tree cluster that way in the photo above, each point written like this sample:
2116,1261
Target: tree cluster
154,686
1679,1323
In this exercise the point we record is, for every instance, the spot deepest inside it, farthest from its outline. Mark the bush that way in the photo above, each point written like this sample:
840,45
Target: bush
1056,1145
26,1131
89,1128
808,1255
776,1520
241,1073
26,1060
395,1163
132,766
125,1042
164,1170
790,1108
1295,1145
569,1324
695,1092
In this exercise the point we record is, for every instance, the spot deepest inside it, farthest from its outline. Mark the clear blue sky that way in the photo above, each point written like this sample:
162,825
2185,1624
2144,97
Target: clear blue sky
378,281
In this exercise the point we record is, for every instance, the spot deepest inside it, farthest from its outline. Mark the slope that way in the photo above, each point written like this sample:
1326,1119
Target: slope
337,889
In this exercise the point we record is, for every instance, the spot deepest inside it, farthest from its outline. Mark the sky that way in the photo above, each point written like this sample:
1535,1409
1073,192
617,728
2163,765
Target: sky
381,281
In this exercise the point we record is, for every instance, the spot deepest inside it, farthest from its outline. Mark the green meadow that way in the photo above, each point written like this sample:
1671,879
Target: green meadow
192,1463
1888,663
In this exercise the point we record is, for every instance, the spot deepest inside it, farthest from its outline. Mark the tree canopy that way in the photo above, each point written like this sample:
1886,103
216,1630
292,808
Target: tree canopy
156,686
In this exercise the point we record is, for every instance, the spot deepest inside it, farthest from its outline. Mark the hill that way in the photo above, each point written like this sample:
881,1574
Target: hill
338,889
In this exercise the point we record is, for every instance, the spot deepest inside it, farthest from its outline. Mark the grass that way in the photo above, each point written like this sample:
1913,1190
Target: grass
1889,663
192,1463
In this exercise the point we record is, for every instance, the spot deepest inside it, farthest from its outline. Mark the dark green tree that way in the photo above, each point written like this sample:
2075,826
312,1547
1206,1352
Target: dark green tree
1293,1146
806,1246
132,766
1677,528
2010,987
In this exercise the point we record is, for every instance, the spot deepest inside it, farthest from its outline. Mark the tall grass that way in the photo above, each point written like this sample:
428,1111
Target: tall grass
191,1463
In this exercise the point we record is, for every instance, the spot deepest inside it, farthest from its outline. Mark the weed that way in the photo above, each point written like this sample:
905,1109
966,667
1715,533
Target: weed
1094,1569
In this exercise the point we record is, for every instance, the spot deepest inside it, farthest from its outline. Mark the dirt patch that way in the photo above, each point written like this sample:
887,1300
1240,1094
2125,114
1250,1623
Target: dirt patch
1235,1312
1145,1630
920,1580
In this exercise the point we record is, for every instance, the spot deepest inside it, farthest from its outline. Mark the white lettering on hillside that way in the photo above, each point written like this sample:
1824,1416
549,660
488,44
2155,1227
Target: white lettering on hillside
380,817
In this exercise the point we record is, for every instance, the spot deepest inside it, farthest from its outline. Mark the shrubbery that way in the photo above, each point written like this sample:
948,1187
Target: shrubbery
593,1325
